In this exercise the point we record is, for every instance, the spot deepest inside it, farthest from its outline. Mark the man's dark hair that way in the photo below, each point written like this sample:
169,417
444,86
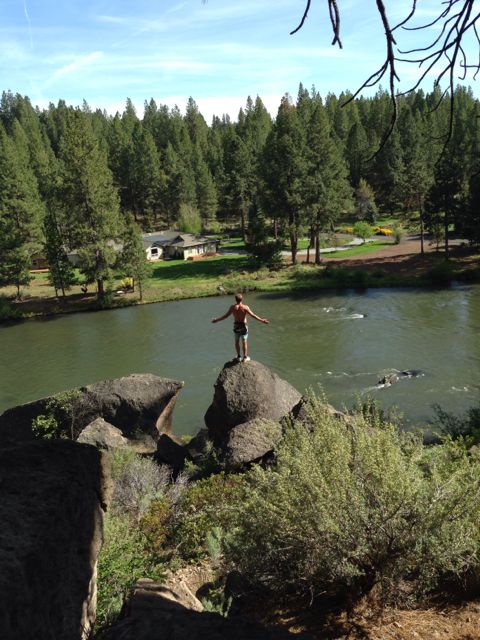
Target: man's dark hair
239,297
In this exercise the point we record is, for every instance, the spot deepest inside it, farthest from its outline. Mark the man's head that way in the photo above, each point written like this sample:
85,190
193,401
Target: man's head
238,297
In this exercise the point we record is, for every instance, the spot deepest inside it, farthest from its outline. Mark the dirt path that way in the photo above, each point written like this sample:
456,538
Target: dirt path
403,259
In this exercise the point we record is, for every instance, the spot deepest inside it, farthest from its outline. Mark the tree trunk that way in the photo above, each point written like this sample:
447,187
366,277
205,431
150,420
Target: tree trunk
422,232
100,289
317,246
311,243
242,222
446,235
293,246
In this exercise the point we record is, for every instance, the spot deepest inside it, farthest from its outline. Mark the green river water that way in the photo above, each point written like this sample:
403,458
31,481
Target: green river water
340,342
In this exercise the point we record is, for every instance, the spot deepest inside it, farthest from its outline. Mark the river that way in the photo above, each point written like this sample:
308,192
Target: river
338,342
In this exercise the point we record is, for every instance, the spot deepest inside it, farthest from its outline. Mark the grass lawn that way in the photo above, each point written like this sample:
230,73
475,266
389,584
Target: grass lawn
233,243
360,250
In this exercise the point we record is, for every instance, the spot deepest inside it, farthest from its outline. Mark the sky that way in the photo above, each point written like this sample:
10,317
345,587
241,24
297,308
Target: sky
216,51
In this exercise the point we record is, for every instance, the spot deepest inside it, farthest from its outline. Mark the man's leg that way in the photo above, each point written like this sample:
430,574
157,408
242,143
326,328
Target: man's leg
237,346
245,348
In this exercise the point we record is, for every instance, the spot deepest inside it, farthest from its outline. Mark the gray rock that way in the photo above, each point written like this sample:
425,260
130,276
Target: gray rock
54,494
140,405
251,441
302,412
150,615
198,445
170,452
244,391
103,435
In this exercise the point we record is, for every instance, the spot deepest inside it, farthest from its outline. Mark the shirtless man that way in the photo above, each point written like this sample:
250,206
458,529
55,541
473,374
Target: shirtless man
240,312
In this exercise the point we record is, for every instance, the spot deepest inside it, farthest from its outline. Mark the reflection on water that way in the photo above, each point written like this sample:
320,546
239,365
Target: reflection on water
343,343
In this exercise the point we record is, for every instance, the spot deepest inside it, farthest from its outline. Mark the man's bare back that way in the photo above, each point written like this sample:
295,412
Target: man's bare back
240,312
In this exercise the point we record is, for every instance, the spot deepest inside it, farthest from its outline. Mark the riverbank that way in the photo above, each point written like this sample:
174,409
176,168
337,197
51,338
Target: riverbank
375,266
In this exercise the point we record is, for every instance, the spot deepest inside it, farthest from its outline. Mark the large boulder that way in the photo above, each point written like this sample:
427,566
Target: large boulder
245,391
155,612
250,442
304,413
140,405
54,494
103,435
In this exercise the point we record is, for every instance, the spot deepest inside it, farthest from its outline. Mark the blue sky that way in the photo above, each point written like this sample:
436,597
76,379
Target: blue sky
218,52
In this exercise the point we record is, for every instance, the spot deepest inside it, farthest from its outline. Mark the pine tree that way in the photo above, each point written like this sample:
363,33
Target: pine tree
61,274
206,191
89,199
365,207
236,192
284,171
146,177
21,209
328,192
132,260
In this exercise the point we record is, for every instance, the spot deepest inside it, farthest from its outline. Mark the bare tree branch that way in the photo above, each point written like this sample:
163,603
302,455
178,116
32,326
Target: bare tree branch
304,17
446,49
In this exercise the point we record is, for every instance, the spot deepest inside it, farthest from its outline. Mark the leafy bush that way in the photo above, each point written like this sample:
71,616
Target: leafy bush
466,427
266,254
155,525
398,233
60,419
137,482
440,274
350,507
122,561
362,230
189,219
8,311
205,508
383,231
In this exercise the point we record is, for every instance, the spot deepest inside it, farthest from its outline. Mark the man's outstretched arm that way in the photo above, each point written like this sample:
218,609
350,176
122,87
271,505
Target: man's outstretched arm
254,315
225,315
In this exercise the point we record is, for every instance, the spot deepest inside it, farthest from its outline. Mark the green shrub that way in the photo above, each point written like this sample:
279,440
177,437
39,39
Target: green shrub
205,507
8,311
137,482
155,525
60,418
441,273
470,275
189,219
359,277
122,561
466,427
349,507
266,254
398,233
363,230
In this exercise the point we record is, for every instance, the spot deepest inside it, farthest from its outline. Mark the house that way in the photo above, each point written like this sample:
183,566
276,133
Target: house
177,245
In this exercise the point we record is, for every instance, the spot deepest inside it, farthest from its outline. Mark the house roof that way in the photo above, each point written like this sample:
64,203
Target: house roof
158,238
174,239
189,240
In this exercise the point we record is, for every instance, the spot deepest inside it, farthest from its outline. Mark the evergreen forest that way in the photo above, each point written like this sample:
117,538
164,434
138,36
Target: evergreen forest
78,179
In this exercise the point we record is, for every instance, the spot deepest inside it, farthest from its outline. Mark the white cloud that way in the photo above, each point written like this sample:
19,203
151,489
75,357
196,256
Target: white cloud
73,67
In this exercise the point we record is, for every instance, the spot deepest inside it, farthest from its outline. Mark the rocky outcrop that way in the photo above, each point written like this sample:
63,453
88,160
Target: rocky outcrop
103,435
156,613
244,392
250,442
140,405
54,494
170,451
302,412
